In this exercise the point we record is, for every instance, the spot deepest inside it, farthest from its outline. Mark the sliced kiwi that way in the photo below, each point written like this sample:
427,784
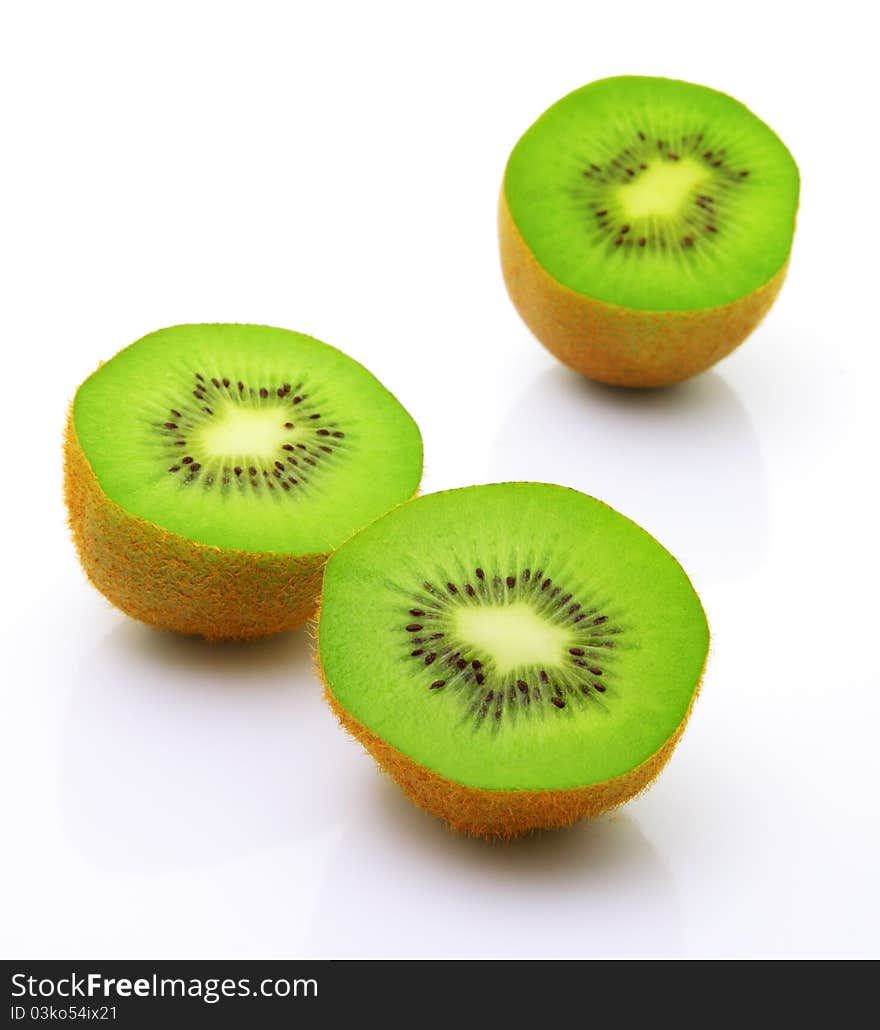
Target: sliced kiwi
517,655
212,468
646,225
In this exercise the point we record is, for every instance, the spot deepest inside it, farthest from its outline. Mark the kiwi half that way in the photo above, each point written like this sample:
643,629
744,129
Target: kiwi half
211,469
517,656
645,228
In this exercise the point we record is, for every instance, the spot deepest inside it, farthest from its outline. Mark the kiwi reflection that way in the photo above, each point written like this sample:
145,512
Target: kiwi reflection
178,752
401,885
684,462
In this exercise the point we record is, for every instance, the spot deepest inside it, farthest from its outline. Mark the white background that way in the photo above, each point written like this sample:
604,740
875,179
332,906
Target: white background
334,169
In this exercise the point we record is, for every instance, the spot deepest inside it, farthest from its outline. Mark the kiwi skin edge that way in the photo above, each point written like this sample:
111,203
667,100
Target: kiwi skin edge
505,814
617,345
173,583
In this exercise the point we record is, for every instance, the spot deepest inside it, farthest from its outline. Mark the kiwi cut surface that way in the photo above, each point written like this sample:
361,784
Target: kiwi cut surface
210,470
517,655
646,226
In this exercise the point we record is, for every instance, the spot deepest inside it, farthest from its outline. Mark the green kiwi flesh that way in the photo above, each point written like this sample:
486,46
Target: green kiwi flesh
517,636
246,437
654,194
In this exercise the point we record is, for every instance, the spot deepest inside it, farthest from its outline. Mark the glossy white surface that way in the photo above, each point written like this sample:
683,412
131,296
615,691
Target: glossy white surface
336,171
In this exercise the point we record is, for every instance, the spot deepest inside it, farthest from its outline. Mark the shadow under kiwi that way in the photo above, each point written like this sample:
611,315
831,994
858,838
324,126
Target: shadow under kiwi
683,461
181,752
402,885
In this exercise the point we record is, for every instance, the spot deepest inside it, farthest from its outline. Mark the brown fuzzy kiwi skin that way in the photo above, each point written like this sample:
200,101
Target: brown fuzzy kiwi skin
617,345
173,583
502,815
